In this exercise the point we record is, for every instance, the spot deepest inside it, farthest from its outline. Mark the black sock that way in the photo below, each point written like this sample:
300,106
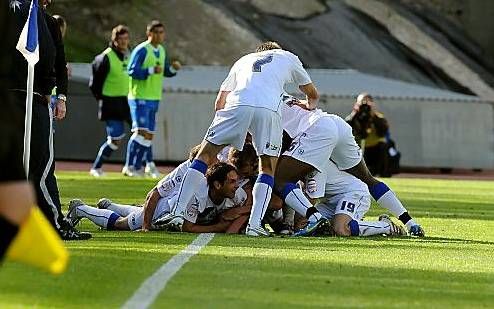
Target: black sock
8,233
310,211
405,217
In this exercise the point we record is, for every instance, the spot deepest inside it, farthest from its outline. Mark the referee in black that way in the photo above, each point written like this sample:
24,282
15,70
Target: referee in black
41,164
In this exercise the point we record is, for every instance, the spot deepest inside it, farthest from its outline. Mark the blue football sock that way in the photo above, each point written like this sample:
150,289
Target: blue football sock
142,147
131,149
148,156
104,153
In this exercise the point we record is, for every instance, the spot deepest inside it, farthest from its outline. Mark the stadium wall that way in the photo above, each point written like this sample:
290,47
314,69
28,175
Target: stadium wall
428,133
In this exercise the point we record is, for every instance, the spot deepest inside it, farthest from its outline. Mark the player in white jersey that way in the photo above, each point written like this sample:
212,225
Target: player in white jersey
345,200
249,100
203,212
170,184
319,137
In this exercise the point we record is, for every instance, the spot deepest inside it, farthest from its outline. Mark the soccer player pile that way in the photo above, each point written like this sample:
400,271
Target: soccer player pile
268,158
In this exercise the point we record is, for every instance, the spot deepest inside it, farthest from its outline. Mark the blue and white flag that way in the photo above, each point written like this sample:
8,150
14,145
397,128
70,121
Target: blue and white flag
28,40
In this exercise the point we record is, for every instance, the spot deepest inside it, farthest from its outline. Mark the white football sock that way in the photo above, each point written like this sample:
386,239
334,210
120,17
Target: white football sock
369,228
123,210
300,203
390,201
97,216
261,194
410,223
192,180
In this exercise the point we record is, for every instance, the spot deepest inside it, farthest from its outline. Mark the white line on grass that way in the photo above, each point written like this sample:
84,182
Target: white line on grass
150,289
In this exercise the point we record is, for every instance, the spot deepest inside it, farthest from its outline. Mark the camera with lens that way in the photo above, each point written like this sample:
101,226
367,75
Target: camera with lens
364,113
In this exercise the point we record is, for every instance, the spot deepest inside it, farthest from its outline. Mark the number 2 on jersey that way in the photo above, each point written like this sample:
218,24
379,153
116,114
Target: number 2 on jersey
256,67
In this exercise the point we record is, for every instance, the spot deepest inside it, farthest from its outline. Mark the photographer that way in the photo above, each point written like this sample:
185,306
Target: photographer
371,130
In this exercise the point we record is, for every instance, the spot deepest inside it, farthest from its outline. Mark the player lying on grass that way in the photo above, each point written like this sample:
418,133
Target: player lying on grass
245,162
345,200
319,137
218,206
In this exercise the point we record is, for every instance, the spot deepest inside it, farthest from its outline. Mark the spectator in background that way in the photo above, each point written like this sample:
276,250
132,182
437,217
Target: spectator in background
371,130
148,65
42,167
110,86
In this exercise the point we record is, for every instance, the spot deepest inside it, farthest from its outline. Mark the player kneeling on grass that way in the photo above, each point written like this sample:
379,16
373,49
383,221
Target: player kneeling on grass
319,138
218,206
344,199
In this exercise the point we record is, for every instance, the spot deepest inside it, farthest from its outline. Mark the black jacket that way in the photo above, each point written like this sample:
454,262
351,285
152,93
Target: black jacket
44,77
101,68
60,73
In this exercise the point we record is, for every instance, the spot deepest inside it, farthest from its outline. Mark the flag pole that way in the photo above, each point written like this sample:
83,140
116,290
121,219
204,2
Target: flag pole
28,118
28,46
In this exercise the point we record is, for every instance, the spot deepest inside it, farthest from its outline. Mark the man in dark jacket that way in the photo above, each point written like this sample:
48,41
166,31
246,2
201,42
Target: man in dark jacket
41,164
110,86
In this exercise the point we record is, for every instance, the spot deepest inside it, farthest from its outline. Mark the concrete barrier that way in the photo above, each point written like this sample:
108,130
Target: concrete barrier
452,132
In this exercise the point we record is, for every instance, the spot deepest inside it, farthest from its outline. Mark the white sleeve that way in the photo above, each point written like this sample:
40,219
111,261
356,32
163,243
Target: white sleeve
315,184
166,185
299,74
231,80
192,211
240,197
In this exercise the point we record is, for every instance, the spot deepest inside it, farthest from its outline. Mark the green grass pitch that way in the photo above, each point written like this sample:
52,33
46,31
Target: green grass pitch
452,267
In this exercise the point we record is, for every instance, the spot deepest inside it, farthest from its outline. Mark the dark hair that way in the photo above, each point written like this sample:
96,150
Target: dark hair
240,159
153,25
218,172
269,45
118,30
193,152
60,21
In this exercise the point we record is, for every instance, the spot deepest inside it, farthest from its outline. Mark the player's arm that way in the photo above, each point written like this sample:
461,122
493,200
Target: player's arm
101,68
226,87
171,69
135,69
219,227
312,95
302,78
149,208
220,100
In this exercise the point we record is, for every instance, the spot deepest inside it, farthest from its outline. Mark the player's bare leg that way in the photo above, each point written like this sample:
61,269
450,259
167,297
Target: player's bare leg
385,197
261,193
288,173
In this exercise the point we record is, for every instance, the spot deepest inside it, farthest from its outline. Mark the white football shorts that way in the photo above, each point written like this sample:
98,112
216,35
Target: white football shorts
230,127
327,139
355,205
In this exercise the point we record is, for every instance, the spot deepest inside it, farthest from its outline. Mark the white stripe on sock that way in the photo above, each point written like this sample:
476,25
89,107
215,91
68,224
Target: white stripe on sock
151,288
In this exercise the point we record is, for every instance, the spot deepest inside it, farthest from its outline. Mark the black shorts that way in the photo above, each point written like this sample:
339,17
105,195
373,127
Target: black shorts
12,141
114,108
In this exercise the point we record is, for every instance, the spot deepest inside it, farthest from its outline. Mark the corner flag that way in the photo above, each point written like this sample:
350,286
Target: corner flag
38,244
28,45
28,40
